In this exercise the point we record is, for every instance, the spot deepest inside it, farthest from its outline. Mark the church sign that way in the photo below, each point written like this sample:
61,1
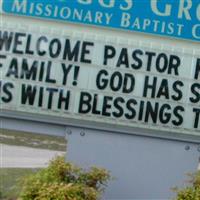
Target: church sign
177,19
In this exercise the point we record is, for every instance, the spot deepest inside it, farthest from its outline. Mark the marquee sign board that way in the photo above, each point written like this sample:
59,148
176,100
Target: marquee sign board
178,19
107,80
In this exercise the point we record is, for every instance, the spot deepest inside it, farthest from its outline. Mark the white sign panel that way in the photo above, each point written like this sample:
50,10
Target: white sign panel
101,80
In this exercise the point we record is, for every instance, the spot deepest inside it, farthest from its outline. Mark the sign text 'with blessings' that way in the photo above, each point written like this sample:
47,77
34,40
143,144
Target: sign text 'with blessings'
129,85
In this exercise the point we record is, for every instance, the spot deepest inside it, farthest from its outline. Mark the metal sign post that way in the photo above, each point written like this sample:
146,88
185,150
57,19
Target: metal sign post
142,167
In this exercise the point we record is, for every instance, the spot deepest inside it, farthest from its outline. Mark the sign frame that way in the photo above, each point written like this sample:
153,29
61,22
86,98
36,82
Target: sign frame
82,123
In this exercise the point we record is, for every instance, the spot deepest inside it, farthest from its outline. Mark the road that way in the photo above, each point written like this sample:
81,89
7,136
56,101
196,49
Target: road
25,157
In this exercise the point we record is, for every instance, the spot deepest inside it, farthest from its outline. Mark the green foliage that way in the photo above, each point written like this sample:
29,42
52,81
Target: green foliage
64,181
9,181
191,192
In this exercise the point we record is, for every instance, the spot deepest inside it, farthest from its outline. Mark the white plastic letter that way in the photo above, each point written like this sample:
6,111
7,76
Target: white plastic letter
184,9
196,31
198,12
129,5
85,1
110,4
154,7
19,6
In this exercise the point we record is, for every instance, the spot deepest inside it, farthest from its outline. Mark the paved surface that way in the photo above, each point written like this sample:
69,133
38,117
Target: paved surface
25,157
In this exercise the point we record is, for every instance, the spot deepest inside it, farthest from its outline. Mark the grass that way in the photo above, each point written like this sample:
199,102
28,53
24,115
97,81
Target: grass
9,178
32,140
10,182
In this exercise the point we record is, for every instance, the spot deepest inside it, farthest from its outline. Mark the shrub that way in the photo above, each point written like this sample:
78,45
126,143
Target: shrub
191,192
64,181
